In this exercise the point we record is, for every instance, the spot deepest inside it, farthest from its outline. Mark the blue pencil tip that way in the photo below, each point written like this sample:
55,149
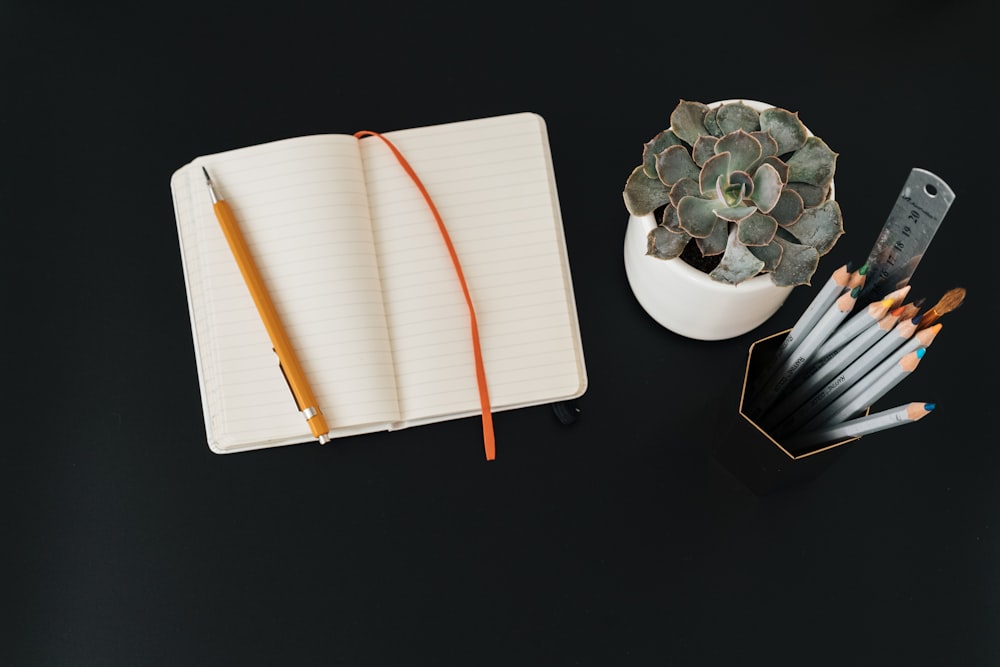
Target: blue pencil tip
921,351
929,406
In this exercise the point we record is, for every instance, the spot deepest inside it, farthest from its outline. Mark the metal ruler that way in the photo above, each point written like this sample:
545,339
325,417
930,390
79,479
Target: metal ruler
915,217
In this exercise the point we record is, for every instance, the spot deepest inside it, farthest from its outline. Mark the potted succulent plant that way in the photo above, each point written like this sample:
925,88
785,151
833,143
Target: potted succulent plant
732,207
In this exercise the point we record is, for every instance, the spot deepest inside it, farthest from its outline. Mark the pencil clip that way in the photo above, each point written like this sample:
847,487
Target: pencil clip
298,406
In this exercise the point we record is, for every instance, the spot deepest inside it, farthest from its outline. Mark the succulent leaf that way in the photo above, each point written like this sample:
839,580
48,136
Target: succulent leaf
729,194
688,121
738,116
770,254
788,209
768,146
716,168
785,128
810,194
682,188
675,163
767,188
742,182
712,122
738,263
798,264
642,194
779,165
714,243
697,216
819,227
757,229
665,244
743,148
738,214
703,149
814,164
669,219
653,147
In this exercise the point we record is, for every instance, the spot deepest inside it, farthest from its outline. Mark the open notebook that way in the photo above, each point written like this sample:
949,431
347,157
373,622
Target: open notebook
356,265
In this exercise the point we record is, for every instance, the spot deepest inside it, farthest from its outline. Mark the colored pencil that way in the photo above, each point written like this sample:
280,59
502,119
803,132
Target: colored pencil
763,398
861,320
860,426
863,394
829,366
858,277
835,285
898,342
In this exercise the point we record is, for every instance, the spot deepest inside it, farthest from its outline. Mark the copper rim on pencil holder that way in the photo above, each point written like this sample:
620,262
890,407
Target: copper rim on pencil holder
757,356
752,455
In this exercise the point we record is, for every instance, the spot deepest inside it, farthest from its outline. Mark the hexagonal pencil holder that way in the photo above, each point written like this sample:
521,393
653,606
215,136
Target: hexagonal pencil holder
751,454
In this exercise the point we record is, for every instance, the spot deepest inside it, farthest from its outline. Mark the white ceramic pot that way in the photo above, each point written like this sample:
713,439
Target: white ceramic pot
688,302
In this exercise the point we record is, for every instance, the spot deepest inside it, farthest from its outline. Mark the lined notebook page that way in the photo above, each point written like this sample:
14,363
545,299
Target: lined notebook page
492,182
303,209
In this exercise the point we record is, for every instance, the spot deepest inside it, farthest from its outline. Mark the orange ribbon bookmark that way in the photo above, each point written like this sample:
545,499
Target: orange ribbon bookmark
484,397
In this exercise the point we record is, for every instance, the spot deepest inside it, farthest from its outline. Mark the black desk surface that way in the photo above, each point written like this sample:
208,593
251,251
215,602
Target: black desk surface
617,541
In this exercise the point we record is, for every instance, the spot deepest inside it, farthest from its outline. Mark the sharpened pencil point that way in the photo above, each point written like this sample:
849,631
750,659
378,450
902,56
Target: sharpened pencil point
211,188
929,406
864,269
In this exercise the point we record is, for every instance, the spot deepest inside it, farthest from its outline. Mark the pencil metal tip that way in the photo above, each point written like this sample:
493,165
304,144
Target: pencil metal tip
211,188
